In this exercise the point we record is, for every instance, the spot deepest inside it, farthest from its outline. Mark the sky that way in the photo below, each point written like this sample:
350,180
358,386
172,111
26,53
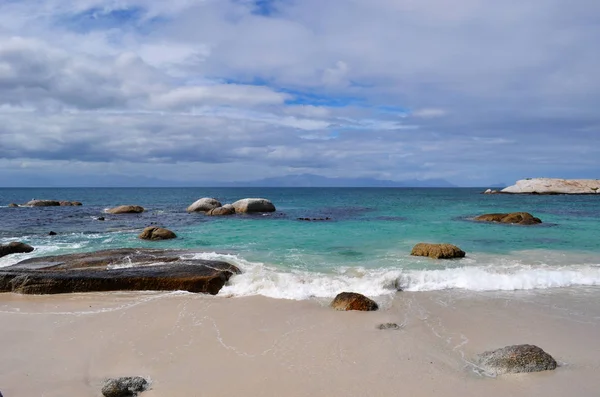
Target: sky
471,91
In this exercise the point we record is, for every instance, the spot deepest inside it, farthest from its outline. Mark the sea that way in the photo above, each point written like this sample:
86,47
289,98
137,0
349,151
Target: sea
357,239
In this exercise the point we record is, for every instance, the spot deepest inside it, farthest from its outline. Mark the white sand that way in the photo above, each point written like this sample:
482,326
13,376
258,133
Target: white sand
196,345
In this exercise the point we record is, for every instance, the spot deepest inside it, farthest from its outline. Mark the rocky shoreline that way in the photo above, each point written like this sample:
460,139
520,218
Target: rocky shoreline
551,186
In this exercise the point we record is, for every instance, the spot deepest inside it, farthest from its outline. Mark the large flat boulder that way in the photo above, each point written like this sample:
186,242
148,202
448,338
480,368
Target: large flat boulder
554,186
114,270
204,204
437,251
519,218
14,248
126,209
516,359
253,205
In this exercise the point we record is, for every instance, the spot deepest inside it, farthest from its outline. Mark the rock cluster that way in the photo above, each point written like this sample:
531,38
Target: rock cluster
124,387
515,359
211,206
15,248
352,301
519,218
437,251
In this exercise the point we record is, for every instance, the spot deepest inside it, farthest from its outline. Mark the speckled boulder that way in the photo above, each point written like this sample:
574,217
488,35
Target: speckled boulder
204,204
437,251
353,301
124,387
250,205
515,359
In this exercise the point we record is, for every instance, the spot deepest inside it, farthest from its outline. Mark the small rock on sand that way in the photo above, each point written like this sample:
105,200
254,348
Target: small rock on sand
516,359
353,301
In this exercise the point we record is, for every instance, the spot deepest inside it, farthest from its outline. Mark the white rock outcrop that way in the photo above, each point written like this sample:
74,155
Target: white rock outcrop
554,186
204,204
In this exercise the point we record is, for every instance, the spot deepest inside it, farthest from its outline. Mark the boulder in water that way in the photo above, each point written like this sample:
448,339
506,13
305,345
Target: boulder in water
43,203
250,205
126,209
353,301
554,186
519,218
13,205
203,205
515,359
156,233
227,209
124,387
437,251
15,248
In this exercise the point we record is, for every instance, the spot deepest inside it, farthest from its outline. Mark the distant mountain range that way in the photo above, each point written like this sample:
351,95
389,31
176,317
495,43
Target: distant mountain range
303,180
310,180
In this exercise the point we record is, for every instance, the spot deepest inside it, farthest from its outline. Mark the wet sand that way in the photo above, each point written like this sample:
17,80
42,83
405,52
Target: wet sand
197,345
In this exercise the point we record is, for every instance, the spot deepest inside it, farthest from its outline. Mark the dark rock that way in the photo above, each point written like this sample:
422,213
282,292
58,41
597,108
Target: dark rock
126,209
52,233
124,387
95,271
353,301
203,205
227,209
43,203
13,205
392,326
437,251
76,203
250,205
15,248
66,204
519,218
101,218
515,359
314,219
156,233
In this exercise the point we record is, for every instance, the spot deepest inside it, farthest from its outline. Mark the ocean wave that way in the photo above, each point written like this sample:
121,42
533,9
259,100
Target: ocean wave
262,279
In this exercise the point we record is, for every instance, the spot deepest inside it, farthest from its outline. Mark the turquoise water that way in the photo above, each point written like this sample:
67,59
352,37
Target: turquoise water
365,245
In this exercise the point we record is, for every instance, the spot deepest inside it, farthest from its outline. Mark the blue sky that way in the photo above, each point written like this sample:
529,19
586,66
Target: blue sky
187,91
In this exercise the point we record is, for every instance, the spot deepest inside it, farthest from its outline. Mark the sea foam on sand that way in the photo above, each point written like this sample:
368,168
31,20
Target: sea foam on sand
196,345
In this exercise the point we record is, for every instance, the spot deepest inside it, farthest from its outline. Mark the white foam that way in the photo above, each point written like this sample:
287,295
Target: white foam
262,279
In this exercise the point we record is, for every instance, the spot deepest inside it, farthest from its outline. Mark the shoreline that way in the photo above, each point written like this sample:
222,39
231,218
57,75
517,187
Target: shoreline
189,344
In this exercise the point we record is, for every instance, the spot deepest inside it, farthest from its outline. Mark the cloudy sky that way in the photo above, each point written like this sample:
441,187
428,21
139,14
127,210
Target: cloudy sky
473,91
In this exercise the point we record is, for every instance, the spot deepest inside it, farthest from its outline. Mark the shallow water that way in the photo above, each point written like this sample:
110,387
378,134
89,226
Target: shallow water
365,245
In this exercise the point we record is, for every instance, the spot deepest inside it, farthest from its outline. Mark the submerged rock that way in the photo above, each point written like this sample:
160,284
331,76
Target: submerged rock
519,218
353,301
554,186
51,233
437,251
392,326
515,359
204,204
156,233
15,248
126,209
227,209
250,205
114,270
124,387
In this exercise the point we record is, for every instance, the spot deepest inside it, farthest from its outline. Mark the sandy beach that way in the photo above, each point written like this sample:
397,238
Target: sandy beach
197,345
